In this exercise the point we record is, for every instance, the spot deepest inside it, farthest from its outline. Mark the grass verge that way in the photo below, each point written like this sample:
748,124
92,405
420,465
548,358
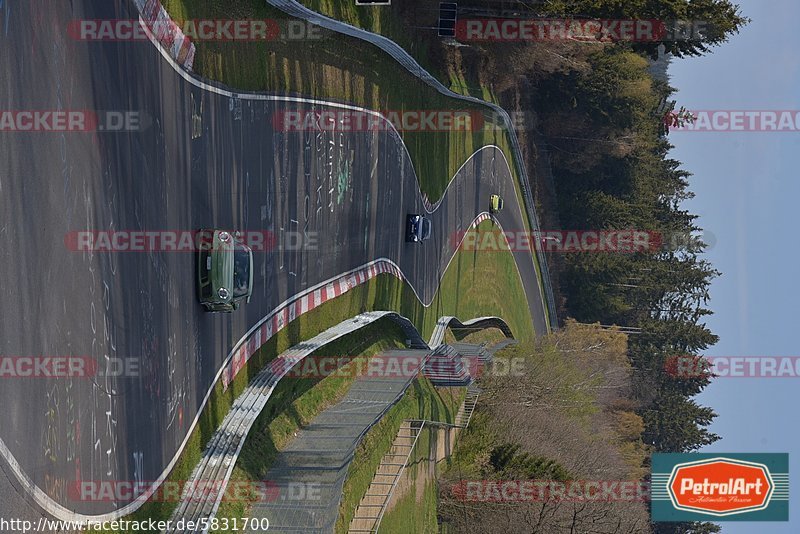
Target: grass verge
486,336
411,515
401,22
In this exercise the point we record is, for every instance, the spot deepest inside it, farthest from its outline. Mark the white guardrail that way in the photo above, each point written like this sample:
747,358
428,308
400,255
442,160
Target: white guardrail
206,486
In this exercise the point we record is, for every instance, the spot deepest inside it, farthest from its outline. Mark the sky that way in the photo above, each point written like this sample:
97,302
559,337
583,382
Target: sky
747,188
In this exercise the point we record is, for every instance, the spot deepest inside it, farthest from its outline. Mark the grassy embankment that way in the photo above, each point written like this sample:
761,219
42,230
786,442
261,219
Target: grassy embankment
296,401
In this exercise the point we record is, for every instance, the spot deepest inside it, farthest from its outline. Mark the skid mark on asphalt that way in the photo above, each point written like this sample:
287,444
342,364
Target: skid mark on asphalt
366,221
7,16
197,117
61,439
264,210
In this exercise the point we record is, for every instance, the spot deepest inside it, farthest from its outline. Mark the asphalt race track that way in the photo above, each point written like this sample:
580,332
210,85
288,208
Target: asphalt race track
351,191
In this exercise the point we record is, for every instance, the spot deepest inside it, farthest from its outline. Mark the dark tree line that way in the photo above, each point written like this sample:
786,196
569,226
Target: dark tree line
605,126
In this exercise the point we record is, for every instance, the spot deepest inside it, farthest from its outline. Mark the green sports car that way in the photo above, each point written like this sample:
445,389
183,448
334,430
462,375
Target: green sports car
224,270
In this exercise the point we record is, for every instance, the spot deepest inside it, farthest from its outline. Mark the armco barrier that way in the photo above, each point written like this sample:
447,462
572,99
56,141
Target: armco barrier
480,323
224,447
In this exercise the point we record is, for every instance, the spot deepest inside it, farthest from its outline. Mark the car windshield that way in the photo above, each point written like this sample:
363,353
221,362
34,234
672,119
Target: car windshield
241,271
426,228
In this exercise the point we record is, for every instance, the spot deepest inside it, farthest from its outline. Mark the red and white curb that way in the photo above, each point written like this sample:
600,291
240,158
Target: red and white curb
297,306
481,218
304,302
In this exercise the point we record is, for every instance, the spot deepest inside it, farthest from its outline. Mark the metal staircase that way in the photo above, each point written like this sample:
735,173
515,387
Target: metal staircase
373,505
467,408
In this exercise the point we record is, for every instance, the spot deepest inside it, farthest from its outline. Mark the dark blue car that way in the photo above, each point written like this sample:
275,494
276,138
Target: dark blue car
418,228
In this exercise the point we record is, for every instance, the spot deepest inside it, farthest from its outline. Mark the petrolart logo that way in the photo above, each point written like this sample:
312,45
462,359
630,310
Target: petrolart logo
720,487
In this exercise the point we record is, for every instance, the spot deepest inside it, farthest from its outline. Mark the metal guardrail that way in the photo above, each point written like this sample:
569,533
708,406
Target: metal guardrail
291,7
437,337
347,458
220,455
